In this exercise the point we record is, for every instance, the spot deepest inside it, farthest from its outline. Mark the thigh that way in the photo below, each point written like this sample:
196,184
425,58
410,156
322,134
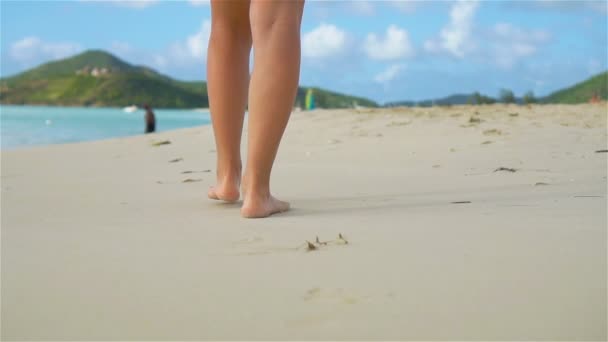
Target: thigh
231,13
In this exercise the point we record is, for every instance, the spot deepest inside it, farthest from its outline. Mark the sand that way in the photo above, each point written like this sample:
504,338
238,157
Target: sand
104,240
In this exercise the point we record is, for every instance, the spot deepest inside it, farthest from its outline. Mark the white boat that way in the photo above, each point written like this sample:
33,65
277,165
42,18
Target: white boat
130,109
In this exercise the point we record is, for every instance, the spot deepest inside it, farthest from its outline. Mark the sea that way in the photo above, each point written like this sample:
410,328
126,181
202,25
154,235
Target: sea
23,126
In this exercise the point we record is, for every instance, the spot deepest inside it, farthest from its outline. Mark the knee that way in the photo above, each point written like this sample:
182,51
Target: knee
232,31
269,16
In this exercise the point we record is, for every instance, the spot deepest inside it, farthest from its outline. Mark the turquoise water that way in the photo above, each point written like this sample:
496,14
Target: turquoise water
22,126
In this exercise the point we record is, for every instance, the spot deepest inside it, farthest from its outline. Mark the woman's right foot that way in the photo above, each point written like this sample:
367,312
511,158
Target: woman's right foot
225,190
262,206
224,193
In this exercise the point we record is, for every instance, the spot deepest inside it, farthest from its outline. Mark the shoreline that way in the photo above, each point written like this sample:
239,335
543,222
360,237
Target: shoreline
28,126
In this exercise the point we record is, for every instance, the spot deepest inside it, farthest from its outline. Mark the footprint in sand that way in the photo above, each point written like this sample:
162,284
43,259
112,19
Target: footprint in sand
338,295
399,123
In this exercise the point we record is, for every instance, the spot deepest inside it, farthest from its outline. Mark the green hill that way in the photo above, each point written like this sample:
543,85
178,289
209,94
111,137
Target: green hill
582,92
97,78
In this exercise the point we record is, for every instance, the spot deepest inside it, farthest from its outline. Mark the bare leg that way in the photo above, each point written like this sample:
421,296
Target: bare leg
228,80
275,26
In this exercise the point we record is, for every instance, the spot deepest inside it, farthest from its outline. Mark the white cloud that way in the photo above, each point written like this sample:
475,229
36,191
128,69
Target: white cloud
396,44
197,43
389,73
199,2
121,48
137,4
30,49
159,61
594,66
456,38
510,43
193,49
404,6
363,7
600,6
324,41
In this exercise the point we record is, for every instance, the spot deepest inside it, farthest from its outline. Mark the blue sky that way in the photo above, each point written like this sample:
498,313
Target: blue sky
383,50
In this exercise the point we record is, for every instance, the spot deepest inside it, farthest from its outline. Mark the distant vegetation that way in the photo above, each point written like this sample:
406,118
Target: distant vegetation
529,98
594,88
97,78
507,96
582,92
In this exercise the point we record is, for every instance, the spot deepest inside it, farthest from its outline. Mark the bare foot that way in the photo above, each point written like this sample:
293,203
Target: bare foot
262,206
225,191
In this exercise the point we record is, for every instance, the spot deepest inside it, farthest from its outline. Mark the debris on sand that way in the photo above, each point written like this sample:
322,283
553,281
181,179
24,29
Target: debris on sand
461,202
176,160
513,114
508,169
474,120
601,151
191,180
540,183
190,171
492,131
310,246
159,143
399,123
487,142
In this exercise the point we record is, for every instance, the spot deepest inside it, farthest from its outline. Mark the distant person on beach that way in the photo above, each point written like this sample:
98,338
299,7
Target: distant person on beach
150,119
273,29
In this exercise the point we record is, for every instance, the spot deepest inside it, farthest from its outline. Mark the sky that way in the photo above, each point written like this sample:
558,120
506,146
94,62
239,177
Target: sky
382,50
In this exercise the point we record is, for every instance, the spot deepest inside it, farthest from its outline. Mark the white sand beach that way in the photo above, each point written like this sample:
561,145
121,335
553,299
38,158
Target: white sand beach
107,240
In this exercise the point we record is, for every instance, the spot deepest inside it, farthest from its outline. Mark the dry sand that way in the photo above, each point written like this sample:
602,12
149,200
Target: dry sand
105,240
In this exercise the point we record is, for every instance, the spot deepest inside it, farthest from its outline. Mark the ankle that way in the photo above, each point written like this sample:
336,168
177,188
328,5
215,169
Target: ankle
255,191
229,175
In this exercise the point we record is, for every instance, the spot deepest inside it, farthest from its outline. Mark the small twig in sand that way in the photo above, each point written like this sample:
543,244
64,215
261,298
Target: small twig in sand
310,246
189,171
318,242
505,169
340,237
163,142
190,180
460,202
601,151
176,160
